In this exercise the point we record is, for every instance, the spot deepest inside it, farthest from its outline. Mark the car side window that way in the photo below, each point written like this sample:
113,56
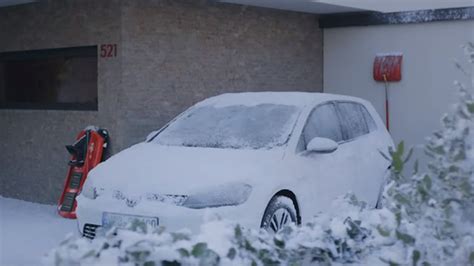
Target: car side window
353,121
368,119
322,122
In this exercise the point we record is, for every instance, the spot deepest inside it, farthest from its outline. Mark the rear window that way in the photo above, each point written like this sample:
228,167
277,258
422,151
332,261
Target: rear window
352,119
368,118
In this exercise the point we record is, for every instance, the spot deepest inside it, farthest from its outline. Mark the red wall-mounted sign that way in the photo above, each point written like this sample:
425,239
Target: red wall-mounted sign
388,67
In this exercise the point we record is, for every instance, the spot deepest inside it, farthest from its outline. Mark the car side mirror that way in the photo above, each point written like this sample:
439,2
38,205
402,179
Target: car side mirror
323,145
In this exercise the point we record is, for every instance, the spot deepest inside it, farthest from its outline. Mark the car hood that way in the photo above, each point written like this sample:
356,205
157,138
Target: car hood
153,168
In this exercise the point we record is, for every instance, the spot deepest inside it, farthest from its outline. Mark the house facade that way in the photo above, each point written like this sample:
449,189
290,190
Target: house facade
130,67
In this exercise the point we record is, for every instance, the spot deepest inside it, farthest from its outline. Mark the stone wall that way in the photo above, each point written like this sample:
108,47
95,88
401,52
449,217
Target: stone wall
171,54
33,160
180,52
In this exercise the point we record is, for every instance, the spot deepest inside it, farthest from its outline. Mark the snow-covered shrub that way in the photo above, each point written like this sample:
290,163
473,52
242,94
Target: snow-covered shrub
435,210
336,237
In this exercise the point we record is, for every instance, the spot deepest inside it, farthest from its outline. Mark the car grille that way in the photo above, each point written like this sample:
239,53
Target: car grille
89,230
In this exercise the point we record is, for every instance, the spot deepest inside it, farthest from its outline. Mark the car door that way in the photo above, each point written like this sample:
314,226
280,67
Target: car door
361,147
326,174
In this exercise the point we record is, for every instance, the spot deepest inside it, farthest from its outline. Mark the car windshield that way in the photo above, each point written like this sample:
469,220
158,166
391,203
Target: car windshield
262,126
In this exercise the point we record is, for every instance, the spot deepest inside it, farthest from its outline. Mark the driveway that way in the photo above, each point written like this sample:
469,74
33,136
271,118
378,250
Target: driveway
30,230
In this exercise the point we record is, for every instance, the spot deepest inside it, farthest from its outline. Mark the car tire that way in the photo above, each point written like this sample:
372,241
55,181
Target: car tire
280,212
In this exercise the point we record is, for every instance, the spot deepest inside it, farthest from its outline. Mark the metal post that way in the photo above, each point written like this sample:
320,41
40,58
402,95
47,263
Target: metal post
387,114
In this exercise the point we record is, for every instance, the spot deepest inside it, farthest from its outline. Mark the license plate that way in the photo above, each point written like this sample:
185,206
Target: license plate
123,221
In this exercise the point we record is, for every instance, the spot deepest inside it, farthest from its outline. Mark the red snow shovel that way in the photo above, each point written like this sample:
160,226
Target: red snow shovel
387,68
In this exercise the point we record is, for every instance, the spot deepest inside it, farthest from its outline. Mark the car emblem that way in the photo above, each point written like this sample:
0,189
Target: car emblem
131,202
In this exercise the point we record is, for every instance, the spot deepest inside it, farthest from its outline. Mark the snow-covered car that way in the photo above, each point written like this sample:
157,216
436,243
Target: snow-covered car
263,159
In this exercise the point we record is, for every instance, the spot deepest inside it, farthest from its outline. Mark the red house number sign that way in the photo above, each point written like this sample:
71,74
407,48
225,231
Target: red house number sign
108,50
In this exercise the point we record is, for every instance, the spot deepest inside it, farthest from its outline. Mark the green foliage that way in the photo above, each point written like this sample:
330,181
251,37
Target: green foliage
383,232
231,254
415,257
179,236
183,252
138,225
405,238
199,249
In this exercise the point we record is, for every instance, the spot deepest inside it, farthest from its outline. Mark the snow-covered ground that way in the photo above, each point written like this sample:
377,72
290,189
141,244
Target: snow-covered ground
30,230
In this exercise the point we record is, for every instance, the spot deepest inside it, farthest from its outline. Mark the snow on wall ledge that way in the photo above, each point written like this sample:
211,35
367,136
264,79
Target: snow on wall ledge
376,18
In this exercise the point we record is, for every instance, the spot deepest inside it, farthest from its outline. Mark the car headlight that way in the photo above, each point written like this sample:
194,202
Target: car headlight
88,190
226,195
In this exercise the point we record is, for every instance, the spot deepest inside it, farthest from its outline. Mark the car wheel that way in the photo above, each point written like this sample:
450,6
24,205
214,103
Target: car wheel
280,212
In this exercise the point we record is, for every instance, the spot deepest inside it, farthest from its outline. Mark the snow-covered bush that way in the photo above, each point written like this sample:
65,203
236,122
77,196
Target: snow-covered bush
435,210
428,219
336,237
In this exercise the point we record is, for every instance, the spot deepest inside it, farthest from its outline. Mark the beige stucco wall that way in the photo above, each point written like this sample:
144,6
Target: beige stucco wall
171,54
426,90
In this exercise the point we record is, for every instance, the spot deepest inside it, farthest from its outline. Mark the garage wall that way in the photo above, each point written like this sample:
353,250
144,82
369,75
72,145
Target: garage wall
33,160
179,52
428,72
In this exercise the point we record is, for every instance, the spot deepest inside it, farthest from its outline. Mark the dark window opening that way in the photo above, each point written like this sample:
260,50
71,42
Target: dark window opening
63,78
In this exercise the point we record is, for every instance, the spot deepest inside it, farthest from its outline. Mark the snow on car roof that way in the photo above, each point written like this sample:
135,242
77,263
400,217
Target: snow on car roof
299,99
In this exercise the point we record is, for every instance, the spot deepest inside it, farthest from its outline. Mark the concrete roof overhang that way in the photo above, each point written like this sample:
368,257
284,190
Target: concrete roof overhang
14,2
332,6
343,6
